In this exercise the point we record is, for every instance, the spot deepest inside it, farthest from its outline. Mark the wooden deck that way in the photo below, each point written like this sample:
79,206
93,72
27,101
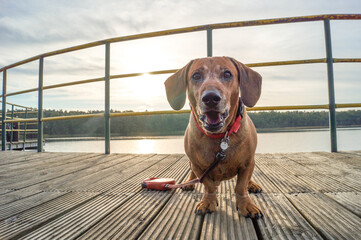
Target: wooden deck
96,196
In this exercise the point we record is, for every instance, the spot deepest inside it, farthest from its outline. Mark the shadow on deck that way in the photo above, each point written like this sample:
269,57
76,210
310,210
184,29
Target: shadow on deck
96,196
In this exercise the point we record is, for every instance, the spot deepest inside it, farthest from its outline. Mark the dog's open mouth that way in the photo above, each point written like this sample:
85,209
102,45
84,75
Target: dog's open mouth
213,121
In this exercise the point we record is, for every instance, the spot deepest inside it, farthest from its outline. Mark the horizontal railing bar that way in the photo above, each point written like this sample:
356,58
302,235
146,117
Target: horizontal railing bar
17,105
21,92
15,118
125,114
346,60
46,119
58,118
91,81
73,83
21,120
264,64
56,86
21,130
300,107
141,74
191,29
348,105
16,112
290,62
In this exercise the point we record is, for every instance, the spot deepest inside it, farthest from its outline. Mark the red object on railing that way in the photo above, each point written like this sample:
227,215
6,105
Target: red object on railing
158,183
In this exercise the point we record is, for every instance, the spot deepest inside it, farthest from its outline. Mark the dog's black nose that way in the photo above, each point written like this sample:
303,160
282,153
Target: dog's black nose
211,98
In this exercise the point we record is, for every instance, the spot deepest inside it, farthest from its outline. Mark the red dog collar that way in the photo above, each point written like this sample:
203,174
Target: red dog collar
234,128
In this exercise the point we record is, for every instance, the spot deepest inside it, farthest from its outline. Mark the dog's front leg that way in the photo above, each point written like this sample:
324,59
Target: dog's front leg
191,177
243,202
209,200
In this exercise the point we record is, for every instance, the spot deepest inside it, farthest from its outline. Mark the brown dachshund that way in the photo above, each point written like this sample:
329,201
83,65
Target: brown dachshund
217,87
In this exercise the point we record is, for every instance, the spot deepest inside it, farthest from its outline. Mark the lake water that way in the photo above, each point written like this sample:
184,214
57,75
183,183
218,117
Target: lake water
304,141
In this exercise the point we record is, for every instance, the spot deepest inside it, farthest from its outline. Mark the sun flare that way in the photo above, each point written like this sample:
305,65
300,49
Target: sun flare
145,146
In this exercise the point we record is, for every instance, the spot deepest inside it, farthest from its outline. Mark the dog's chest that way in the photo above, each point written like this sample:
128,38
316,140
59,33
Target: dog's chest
202,153
228,168
225,169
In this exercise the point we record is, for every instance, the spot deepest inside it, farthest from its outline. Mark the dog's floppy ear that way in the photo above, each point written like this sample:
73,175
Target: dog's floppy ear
250,83
176,86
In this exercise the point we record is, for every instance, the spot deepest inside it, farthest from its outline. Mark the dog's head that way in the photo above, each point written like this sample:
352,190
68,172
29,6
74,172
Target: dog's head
214,85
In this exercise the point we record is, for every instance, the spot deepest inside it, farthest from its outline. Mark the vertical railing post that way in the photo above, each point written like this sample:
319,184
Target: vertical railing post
331,87
107,99
25,128
12,127
40,104
209,43
3,114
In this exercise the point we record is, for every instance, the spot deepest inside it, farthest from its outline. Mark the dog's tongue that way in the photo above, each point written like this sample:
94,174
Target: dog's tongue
213,117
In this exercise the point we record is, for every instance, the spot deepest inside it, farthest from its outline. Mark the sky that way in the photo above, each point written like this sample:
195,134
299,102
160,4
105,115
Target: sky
32,27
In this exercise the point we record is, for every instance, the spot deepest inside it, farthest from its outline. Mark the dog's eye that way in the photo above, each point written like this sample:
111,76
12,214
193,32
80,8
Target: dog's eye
227,75
197,76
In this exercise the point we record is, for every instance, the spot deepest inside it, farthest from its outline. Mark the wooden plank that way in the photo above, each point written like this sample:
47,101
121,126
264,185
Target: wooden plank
20,224
281,219
8,196
336,175
357,153
98,208
292,175
350,200
332,165
350,159
284,180
28,202
42,161
18,195
260,178
27,176
96,174
324,183
177,220
10,157
329,218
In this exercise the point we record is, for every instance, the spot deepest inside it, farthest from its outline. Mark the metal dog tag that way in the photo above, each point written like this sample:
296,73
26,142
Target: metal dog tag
224,142
224,145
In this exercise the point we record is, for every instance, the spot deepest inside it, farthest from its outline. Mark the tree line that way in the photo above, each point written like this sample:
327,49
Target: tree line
175,124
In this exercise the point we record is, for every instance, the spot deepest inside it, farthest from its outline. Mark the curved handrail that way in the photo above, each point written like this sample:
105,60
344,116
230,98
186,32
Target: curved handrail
190,29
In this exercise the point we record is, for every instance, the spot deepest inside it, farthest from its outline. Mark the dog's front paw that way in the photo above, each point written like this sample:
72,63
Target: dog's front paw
248,209
254,187
206,206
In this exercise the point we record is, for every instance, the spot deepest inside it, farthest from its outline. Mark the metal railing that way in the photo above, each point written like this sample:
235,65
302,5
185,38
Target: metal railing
16,130
329,60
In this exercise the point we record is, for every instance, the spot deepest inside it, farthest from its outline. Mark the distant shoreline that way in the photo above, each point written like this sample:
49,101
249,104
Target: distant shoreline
262,130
